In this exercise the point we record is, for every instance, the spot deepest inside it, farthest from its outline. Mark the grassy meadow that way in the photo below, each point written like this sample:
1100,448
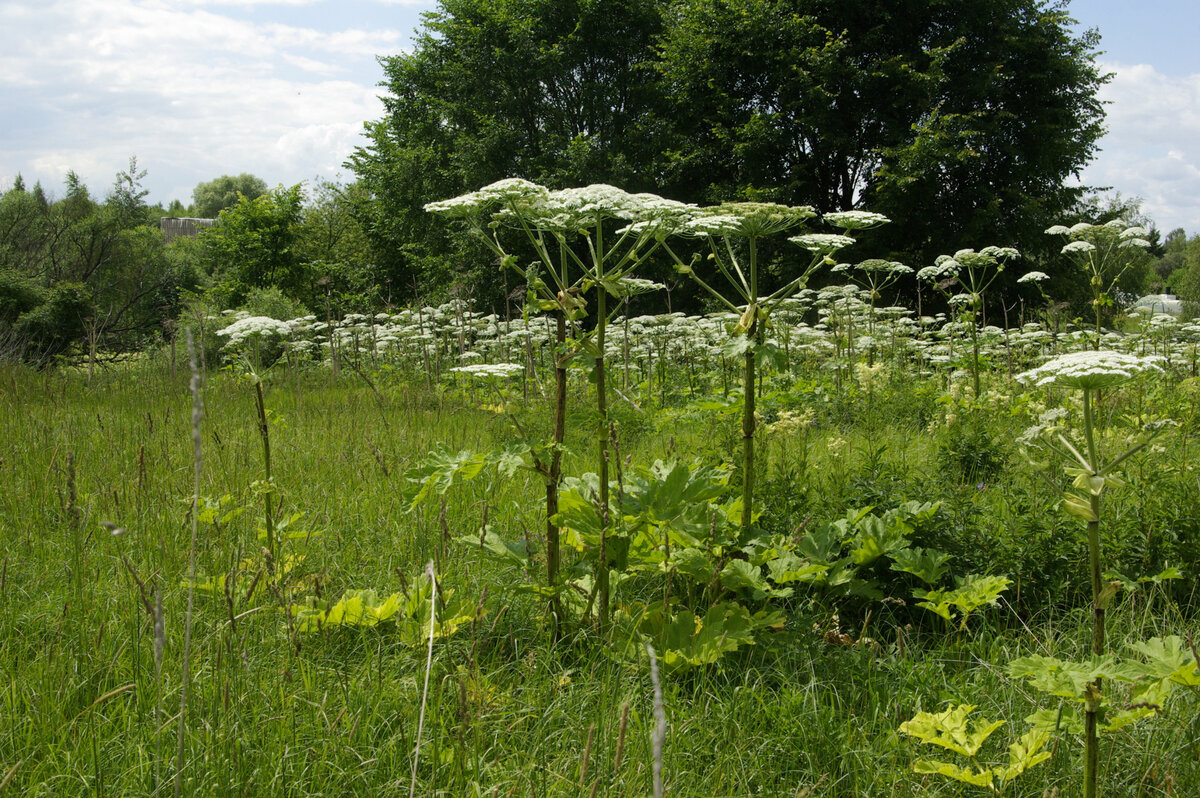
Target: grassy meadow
96,524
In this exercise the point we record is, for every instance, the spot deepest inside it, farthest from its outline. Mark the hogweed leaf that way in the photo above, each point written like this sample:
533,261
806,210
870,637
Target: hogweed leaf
500,549
790,568
950,729
972,592
694,563
1167,658
980,778
928,565
1062,677
1023,754
875,539
1051,721
741,575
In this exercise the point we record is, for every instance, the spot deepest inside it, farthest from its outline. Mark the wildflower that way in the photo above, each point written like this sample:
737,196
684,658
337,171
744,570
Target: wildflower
856,220
249,326
822,242
1090,370
1078,246
1033,277
490,369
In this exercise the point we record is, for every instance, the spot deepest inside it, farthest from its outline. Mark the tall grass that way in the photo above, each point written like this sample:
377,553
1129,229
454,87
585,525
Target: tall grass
273,712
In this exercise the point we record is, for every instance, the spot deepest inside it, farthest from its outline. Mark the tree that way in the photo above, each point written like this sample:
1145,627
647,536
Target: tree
556,91
333,242
958,120
1185,279
209,199
77,273
128,196
1174,256
255,246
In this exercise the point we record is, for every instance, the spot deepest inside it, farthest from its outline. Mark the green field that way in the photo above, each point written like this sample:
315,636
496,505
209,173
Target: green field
806,698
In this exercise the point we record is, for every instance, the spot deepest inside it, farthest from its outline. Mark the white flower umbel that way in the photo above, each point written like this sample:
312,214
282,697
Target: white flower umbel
1033,277
245,328
1079,246
1090,370
489,370
856,220
509,190
826,243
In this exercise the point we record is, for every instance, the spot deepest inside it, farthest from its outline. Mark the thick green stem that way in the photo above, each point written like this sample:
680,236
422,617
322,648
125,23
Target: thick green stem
602,441
748,383
1091,754
1095,689
553,551
264,432
975,356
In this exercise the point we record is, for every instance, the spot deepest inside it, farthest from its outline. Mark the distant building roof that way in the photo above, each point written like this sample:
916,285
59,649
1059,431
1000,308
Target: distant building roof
1161,303
173,227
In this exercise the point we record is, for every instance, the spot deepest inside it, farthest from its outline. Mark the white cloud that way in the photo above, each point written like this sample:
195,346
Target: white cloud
193,91
1152,148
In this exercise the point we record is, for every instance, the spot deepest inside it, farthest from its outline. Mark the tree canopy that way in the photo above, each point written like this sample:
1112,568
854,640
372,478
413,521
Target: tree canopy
959,120
214,196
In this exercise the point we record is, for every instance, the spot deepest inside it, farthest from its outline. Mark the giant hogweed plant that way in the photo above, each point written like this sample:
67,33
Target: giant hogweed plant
727,226
973,272
576,250
1092,471
1105,252
1161,664
873,275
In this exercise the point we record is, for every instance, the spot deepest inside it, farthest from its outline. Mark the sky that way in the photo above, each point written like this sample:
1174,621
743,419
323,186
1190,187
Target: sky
281,89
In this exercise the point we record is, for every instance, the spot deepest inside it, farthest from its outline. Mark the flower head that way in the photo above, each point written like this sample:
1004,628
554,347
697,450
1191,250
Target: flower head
822,242
508,191
856,220
1090,370
750,219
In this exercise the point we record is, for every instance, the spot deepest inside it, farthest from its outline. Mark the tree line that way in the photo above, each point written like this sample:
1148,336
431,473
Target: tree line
960,121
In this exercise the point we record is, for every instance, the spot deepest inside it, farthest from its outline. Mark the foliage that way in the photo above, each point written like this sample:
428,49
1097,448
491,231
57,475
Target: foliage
224,192
555,92
950,729
255,245
82,275
961,123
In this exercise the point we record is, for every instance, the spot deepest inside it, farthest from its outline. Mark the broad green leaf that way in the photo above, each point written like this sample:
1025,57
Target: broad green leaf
685,639
928,565
693,563
1061,677
1023,754
823,544
972,592
741,575
950,729
355,608
875,539
497,547
982,778
1170,572
1167,658
1051,721
790,568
